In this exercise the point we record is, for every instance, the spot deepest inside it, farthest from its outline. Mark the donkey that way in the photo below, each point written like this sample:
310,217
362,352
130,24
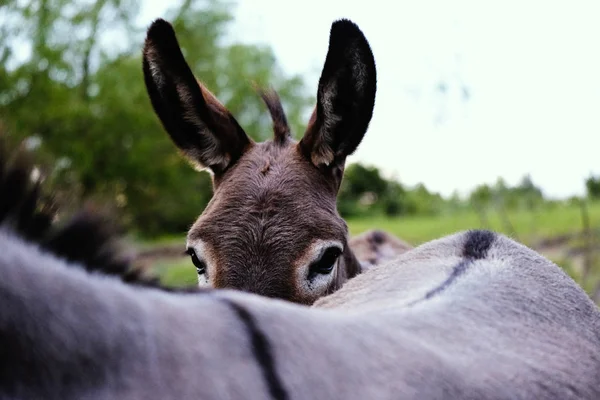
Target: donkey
375,247
272,226
473,315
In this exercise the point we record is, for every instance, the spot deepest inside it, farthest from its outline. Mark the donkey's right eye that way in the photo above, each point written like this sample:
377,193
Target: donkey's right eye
327,261
198,263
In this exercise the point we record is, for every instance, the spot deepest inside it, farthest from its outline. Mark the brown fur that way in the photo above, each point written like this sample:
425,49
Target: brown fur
281,129
376,247
277,215
273,212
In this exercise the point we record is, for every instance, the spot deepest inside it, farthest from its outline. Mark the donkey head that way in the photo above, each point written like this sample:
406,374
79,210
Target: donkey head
272,226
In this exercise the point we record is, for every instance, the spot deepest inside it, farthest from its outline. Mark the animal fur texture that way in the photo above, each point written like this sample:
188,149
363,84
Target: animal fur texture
473,315
272,226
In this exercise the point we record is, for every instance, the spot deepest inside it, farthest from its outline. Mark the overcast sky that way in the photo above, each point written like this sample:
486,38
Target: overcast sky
532,69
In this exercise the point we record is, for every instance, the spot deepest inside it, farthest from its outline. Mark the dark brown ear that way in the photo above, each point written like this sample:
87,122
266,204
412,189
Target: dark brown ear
345,98
197,123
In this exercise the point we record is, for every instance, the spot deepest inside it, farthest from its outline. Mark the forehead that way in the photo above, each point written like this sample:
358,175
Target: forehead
272,190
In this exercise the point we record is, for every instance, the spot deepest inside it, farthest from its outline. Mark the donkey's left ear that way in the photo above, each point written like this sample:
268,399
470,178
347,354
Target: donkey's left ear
345,98
202,128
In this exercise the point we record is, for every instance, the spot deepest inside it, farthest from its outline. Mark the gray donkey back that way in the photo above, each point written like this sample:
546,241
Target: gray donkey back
473,315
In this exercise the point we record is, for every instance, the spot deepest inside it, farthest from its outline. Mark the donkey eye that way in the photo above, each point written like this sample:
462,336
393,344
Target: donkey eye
327,261
199,264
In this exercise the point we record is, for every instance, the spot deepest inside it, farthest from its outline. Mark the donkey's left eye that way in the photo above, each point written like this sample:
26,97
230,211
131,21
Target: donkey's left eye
327,261
198,263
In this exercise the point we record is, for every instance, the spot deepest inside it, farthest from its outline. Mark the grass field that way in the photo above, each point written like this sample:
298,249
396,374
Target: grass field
529,228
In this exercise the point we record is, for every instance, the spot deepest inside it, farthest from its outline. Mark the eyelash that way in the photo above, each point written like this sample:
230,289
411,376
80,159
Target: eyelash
198,263
324,265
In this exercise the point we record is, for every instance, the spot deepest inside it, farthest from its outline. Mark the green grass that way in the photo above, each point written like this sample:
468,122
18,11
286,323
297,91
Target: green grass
543,223
176,272
529,227
164,240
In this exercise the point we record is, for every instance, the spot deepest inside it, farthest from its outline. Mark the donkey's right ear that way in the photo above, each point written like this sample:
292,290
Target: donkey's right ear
345,98
195,120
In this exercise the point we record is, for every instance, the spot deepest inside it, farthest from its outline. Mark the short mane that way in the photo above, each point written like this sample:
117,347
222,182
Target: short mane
281,128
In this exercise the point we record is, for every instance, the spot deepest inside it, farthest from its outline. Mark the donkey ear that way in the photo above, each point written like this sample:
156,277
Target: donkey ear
198,124
345,98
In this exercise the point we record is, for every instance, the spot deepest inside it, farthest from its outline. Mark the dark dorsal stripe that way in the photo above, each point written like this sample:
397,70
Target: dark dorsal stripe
476,247
477,244
458,270
262,351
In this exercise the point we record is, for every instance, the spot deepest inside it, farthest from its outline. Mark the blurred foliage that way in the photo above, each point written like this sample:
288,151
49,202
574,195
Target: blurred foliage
71,83
364,191
592,185
361,187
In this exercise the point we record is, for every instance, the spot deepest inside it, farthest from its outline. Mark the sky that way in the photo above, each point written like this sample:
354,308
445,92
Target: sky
532,71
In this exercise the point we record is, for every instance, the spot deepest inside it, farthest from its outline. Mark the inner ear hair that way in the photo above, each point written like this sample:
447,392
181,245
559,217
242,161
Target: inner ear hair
345,97
199,125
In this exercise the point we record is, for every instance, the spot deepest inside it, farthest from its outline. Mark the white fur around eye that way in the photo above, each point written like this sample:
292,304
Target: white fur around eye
316,284
203,254
203,280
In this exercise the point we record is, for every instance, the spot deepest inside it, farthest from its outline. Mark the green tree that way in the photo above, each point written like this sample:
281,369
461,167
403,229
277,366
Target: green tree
81,93
592,185
394,199
530,195
481,199
482,196
361,188
229,70
360,179
456,202
419,200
